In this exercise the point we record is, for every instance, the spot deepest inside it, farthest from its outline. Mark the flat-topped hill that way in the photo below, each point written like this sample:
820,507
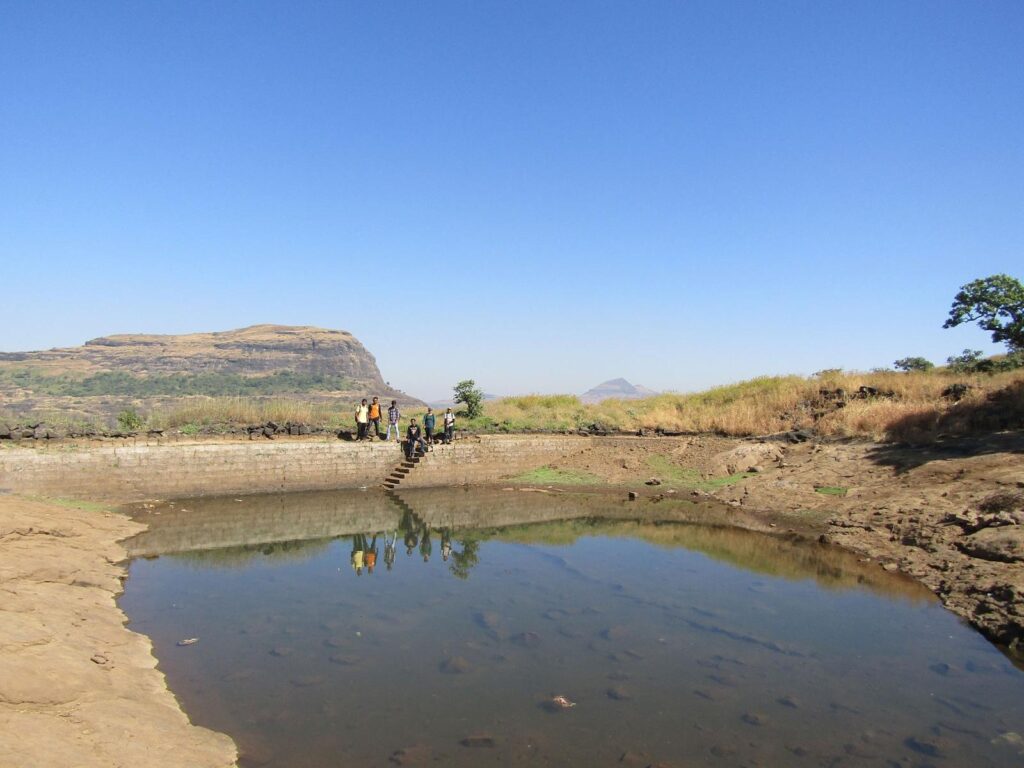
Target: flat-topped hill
258,349
148,369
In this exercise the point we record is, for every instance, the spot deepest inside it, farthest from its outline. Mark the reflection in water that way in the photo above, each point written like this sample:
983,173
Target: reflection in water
678,641
215,531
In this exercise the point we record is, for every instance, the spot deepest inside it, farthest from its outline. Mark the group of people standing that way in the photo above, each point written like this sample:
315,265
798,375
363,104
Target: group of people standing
371,414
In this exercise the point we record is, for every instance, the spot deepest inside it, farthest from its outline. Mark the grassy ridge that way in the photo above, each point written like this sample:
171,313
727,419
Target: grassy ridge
773,404
916,408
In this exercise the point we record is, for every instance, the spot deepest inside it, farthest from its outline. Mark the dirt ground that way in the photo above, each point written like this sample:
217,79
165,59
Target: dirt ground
77,688
950,514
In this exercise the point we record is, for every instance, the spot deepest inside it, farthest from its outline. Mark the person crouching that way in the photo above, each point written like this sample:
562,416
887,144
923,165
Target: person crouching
414,439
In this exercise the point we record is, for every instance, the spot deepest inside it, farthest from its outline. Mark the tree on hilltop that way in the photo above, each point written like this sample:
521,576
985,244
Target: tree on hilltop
996,303
909,364
466,392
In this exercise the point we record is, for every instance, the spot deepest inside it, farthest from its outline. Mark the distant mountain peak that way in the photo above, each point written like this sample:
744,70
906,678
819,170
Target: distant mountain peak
616,388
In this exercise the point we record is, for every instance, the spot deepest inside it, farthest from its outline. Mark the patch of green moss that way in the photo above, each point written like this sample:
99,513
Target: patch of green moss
831,490
671,473
552,476
88,506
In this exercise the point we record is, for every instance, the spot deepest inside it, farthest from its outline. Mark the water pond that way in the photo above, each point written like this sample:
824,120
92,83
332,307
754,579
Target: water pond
475,628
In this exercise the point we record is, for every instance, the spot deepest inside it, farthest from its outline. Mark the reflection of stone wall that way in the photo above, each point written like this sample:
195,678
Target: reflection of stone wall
214,523
129,472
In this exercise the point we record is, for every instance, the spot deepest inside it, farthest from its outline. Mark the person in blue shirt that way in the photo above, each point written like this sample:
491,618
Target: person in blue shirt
429,420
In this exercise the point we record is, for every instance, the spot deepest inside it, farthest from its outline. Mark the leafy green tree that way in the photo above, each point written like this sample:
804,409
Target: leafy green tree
914,364
968,361
466,392
462,562
996,303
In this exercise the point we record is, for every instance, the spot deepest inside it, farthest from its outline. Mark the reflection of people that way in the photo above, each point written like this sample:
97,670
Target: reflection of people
446,543
389,550
411,538
371,554
426,546
358,551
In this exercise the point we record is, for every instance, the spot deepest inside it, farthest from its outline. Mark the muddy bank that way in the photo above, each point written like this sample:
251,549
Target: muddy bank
950,514
76,686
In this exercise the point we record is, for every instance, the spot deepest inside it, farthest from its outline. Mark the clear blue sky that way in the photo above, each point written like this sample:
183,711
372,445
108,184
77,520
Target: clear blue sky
539,195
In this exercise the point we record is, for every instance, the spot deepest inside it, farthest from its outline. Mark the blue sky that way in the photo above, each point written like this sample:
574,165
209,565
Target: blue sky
538,195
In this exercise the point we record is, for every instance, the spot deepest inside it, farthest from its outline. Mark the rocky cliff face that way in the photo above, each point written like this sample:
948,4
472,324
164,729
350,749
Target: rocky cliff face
258,349
273,360
253,350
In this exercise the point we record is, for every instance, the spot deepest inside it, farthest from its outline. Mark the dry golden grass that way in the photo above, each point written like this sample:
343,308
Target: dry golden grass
916,409
203,411
773,404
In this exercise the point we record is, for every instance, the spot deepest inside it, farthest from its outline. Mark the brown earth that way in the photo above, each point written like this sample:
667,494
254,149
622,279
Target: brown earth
950,514
77,688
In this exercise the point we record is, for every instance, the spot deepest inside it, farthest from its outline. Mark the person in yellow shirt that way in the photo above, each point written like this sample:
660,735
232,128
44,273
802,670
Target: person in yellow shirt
358,551
362,420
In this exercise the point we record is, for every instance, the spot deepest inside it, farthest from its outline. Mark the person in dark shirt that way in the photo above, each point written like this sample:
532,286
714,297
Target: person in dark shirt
393,416
414,439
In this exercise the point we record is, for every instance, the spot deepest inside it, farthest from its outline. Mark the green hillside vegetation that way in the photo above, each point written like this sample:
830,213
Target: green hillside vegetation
214,384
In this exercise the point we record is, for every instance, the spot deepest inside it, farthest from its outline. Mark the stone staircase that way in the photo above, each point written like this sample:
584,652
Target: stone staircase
402,470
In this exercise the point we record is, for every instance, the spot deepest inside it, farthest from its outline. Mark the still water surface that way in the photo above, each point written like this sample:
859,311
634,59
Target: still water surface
679,642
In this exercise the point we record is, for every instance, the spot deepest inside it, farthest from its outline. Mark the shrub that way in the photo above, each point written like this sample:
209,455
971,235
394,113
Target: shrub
129,421
968,361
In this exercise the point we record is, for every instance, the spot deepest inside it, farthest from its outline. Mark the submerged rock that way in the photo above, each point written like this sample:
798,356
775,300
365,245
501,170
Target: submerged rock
455,665
479,741
305,681
527,639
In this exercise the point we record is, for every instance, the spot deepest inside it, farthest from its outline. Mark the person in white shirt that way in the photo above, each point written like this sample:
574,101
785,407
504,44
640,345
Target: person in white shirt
449,426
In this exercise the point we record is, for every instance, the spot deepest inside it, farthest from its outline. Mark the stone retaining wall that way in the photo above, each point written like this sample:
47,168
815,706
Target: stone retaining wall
155,470
219,522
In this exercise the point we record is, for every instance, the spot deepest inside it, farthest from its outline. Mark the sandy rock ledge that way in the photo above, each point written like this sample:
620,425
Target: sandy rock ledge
77,688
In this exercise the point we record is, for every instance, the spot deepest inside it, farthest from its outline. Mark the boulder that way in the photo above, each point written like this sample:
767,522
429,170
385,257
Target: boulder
743,458
1004,544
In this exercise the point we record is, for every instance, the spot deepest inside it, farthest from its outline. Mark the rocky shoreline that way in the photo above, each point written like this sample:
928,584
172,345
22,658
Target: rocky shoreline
77,687
949,514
